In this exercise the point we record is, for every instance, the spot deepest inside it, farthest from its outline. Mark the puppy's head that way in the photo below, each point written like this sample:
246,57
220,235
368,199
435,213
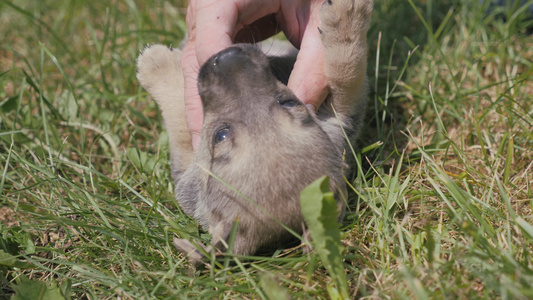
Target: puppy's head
247,109
259,139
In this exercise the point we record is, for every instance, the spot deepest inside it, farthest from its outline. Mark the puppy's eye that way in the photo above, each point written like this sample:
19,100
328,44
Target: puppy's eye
221,134
289,102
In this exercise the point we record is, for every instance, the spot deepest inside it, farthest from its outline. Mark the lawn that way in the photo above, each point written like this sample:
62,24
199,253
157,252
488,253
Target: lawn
443,196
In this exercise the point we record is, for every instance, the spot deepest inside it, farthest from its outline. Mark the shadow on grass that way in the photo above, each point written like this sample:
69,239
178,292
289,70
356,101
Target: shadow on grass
397,35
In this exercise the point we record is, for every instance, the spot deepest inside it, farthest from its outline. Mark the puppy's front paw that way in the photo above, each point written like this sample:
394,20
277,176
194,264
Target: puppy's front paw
344,21
157,65
343,28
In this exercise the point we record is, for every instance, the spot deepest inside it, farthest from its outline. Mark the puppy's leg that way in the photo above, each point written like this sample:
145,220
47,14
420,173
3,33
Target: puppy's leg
343,28
160,74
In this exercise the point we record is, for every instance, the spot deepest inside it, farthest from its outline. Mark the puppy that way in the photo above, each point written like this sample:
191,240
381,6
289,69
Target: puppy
260,146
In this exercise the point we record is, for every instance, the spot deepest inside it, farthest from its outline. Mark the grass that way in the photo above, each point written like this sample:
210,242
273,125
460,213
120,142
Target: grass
445,188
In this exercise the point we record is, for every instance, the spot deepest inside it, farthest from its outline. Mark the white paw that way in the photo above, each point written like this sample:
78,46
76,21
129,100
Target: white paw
344,21
157,64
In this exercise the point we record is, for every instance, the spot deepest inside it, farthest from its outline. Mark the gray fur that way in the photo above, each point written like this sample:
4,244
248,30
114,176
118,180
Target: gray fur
270,146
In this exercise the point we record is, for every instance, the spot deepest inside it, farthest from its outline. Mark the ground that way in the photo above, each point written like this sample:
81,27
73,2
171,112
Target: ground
444,189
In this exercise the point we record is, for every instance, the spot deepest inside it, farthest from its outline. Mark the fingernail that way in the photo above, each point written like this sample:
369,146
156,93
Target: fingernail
195,141
311,107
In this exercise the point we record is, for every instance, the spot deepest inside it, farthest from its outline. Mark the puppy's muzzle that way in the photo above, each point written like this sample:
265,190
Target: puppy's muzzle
229,58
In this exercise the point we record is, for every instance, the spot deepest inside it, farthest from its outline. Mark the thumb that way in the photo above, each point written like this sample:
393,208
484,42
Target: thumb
193,103
308,80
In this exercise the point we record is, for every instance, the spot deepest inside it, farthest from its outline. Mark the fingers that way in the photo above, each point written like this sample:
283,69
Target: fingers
308,80
193,103
212,26
258,31
217,22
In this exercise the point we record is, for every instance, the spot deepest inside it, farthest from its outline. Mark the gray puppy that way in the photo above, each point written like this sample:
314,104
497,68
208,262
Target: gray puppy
260,146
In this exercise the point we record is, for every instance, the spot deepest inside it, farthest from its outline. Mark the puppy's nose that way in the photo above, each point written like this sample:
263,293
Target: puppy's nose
229,57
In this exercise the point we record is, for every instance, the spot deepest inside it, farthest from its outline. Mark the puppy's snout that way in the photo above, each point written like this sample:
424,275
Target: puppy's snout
229,57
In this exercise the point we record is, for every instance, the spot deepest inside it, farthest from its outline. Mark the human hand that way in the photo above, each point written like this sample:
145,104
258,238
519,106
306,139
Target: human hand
214,25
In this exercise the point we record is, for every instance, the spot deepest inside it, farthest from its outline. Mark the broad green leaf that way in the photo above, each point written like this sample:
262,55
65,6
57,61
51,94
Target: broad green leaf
135,157
9,104
26,289
142,160
272,289
8,260
319,209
